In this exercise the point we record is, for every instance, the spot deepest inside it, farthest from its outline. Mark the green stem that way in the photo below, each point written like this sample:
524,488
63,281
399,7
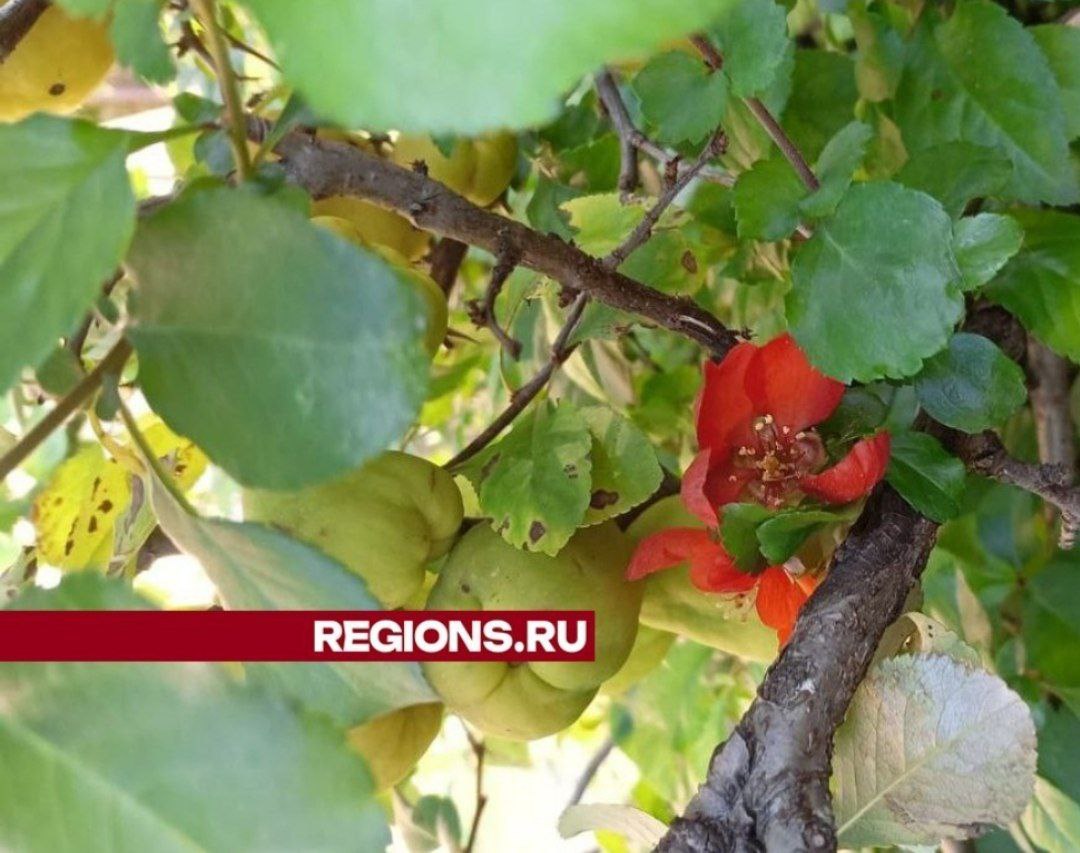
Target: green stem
230,90
152,460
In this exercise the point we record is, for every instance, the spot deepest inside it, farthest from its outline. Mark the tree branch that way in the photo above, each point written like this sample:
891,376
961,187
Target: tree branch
768,784
561,350
112,362
985,454
227,83
1050,403
325,167
765,118
16,19
608,91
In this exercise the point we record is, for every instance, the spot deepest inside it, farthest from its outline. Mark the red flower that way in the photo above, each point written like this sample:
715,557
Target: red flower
755,434
756,443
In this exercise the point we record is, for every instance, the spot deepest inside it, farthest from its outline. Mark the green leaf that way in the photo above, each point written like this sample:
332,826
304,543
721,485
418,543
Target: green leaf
954,89
753,39
624,467
928,477
286,353
930,749
535,483
874,290
767,198
257,568
784,533
822,101
66,216
880,58
1051,627
681,97
136,35
1051,820
971,385
1061,45
738,530
835,168
956,172
983,244
667,261
469,67
1039,285
168,757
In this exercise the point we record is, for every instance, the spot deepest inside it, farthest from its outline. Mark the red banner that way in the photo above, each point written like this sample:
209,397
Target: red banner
297,635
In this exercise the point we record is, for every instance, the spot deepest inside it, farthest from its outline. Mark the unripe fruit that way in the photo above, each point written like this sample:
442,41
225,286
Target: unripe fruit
530,700
423,285
673,603
55,65
650,648
385,521
479,169
393,743
375,226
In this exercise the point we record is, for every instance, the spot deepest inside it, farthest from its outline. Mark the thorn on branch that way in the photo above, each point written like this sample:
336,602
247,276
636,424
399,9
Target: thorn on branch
506,262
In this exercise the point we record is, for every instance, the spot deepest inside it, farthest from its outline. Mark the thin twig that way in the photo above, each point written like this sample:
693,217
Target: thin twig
230,91
505,262
985,454
560,350
643,230
608,91
112,362
479,749
524,395
17,17
598,758
765,118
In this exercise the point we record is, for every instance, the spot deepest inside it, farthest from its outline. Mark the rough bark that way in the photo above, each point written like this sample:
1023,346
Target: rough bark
768,784
325,168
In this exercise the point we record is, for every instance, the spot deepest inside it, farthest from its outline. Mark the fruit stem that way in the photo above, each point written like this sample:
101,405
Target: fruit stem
227,83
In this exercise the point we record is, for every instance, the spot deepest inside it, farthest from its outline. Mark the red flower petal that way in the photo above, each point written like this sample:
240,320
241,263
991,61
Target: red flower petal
724,411
782,383
693,489
853,476
665,550
705,488
713,570
779,599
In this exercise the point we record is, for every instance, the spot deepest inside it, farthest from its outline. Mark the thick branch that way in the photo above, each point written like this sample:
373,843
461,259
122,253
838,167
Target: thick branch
768,784
1050,403
326,168
16,19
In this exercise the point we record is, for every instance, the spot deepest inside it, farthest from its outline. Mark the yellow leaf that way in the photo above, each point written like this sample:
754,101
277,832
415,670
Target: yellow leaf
186,461
76,512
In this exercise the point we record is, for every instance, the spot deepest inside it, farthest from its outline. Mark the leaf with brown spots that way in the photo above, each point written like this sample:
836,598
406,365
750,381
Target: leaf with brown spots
624,467
75,514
